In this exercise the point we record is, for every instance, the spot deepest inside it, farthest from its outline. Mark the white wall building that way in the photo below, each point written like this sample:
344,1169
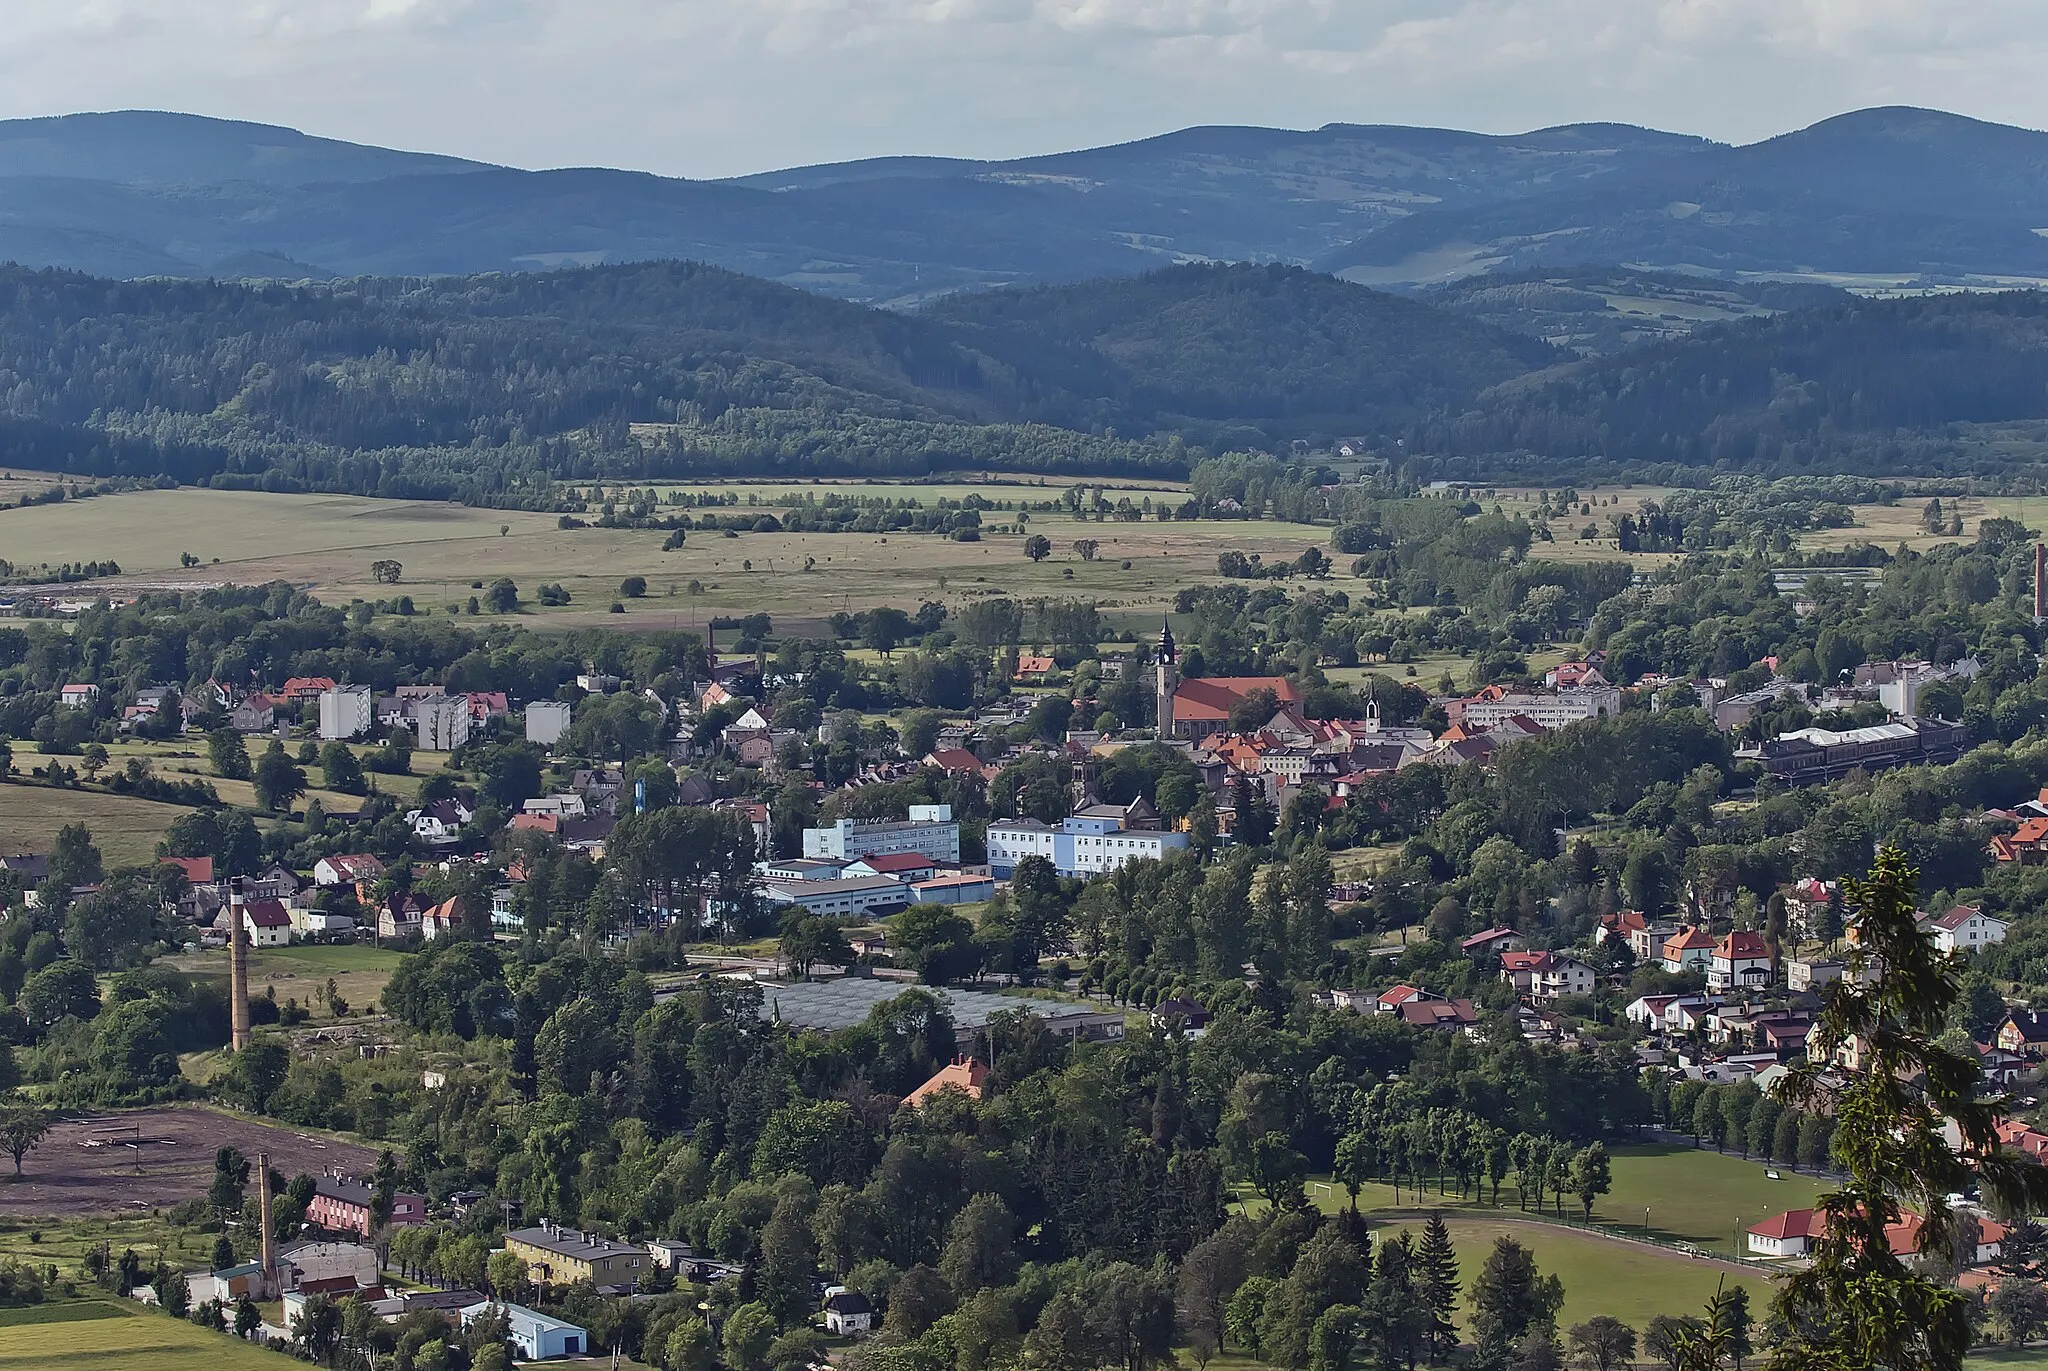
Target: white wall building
930,831
347,711
1546,709
546,722
441,722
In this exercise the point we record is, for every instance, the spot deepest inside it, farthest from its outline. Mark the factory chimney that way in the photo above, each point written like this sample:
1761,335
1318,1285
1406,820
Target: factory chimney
2040,582
238,963
269,1239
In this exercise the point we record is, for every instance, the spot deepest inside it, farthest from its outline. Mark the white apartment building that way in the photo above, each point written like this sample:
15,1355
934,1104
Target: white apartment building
346,711
930,831
546,722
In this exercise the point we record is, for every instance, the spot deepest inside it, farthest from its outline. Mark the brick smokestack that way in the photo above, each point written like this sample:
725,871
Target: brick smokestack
269,1239
2040,582
238,964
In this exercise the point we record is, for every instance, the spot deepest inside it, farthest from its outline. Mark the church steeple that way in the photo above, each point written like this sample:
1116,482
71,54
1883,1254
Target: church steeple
1169,677
1166,648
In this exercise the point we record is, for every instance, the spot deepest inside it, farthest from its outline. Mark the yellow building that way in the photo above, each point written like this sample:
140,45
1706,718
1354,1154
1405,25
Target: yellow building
555,1255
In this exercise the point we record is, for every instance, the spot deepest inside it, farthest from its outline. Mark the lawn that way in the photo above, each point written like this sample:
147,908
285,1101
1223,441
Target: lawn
2018,1357
126,829
1693,1195
141,1340
1626,1280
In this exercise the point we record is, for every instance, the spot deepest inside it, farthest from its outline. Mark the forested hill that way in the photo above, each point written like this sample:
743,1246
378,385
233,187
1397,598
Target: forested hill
1237,355
481,386
1866,386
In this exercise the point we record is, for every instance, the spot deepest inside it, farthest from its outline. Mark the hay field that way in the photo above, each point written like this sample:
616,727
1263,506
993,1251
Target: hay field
326,543
143,1340
126,829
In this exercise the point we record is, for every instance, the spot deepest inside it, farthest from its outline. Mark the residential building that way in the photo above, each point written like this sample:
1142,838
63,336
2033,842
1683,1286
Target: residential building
399,916
254,713
1689,949
1444,1015
930,831
342,1204
309,920
346,712
1202,706
1790,1234
555,1255
963,1074
268,922
355,869
1081,846
1495,705
300,689
441,722
845,898
537,1336
1809,756
1963,929
441,822
1546,975
1494,942
1811,973
1740,961
78,696
546,722
848,1313
2022,1030
2026,845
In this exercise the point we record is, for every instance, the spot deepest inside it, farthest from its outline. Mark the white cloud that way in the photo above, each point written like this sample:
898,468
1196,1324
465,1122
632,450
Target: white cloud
708,87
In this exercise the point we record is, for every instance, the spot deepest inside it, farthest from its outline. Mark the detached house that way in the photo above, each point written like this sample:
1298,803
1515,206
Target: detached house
1740,961
1689,949
1963,929
2022,1031
1546,975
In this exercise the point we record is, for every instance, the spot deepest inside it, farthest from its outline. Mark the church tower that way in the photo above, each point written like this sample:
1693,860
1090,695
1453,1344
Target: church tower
1169,677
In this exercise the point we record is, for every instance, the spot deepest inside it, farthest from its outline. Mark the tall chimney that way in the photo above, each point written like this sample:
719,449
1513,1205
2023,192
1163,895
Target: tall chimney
269,1239
238,964
2040,582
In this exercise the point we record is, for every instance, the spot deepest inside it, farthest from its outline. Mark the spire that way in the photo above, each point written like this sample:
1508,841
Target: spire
1166,650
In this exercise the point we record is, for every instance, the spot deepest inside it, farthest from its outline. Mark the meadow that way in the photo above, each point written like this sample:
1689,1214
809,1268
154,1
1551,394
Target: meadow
126,829
301,973
126,1339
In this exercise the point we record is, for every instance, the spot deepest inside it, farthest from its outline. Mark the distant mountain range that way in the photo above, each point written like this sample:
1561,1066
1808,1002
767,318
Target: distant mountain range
1888,193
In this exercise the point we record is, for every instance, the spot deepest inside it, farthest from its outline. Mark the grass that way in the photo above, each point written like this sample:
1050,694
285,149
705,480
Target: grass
2034,1357
1697,1196
359,972
63,1311
132,1341
126,829
66,1241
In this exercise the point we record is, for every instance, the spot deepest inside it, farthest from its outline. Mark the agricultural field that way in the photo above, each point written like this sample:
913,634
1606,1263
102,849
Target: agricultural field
132,1162
126,829
122,1339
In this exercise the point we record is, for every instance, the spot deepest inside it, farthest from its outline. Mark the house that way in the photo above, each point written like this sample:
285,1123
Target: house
1963,929
268,922
1741,960
1689,949
963,1074
1811,973
342,1204
2022,1030
538,1337
78,696
486,705
954,761
1807,903
399,915
357,869
1033,668
1620,924
446,919
441,822
1191,1017
1390,1000
2025,846
254,713
198,870
1648,1010
1789,1234
1495,942
300,689
848,1313
1647,942
1546,975
1689,1012
555,1255
1448,1015
310,920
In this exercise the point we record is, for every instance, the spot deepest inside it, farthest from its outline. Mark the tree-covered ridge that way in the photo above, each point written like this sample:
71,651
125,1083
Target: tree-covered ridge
1861,385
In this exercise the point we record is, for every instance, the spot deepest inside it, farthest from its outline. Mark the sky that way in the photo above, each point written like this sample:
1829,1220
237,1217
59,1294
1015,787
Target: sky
724,87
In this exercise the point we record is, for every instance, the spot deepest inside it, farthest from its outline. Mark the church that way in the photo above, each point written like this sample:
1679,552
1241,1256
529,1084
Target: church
1194,709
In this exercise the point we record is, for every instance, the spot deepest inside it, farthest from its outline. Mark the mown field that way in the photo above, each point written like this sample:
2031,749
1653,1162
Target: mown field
107,1336
126,829
359,973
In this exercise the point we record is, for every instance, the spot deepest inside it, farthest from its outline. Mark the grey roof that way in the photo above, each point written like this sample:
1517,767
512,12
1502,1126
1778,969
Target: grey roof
827,1006
852,885
568,1242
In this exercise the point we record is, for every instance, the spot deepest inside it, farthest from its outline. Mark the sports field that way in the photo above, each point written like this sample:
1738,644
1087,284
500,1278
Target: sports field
107,1336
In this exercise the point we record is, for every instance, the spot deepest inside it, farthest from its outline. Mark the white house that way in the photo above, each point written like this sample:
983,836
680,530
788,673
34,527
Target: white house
308,921
537,1336
269,923
848,1312
347,869
1689,949
1740,960
78,696
1547,975
1963,929
1648,1010
1789,1234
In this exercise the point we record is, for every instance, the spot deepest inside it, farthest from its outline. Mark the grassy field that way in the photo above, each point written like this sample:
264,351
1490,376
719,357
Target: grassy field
2011,1358
1691,1195
302,973
131,1340
126,829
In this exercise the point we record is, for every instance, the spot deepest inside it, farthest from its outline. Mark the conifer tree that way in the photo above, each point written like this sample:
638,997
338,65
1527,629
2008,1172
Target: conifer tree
1436,1279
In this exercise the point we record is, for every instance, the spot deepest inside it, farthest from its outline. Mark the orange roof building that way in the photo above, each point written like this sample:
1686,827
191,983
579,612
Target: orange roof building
963,1074
1202,706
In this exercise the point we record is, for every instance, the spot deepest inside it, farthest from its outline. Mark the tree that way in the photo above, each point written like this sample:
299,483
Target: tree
2021,1308
1859,1304
691,1348
1591,1176
278,780
981,1246
1730,1320
1668,1336
341,769
1038,547
23,1124
633,587
384,571
228,754
63,989
230,1182
248,1318
1602,1343
918,1300
811,939
506,1272
93,759
1086,548
1436,1278
503,596
317,1328
1511,1299
173,1292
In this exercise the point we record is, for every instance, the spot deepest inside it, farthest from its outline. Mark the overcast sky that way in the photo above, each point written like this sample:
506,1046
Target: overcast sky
719,87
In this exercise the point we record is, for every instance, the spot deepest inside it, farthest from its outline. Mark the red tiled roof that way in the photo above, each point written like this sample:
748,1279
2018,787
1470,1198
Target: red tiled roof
1743,947
198,870
1688,939
1213,697
1490,935
1793,1223
953,759
268,914
965,1075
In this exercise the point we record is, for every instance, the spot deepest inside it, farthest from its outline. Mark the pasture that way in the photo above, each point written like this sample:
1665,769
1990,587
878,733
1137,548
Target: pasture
126,829
301,973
